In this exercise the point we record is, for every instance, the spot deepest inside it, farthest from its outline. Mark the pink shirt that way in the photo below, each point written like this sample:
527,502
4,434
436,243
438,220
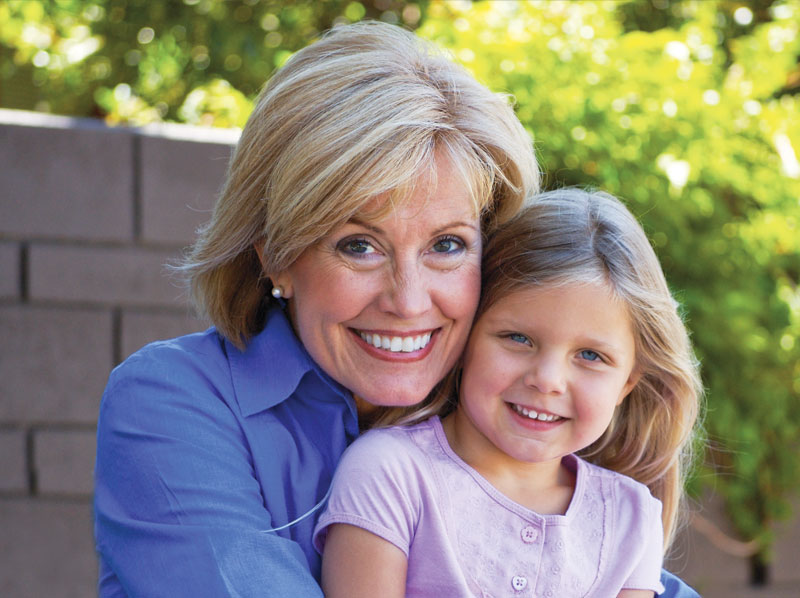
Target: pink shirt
464,538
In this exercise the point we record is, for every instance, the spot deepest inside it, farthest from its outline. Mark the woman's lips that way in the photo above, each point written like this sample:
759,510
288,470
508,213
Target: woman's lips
396,344
396,347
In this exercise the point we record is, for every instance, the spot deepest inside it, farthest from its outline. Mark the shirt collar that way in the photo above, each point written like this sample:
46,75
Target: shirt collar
271,366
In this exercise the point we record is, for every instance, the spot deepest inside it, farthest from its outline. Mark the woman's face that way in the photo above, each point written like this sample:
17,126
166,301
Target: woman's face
385,305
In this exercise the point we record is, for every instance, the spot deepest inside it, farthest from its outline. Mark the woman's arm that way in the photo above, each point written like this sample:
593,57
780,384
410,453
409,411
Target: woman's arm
179,510
358,564
674,587
636,594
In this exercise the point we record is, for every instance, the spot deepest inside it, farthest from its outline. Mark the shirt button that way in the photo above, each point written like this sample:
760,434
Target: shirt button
529,534
518,583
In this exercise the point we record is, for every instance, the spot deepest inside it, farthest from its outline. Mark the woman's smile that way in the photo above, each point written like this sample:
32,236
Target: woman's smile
392,346
384,304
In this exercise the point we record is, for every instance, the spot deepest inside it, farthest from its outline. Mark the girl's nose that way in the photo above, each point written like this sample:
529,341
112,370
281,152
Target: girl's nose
546,374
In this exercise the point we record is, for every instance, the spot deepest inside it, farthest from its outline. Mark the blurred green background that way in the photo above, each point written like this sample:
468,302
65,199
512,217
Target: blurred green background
687,110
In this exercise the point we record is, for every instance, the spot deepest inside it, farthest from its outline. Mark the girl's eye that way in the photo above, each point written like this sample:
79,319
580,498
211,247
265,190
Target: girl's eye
448,244
519,338
356,247
590,355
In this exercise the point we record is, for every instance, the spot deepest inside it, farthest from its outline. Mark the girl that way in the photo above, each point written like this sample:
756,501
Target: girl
559,470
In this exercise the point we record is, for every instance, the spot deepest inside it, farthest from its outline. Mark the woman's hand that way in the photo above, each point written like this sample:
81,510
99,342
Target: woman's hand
358,564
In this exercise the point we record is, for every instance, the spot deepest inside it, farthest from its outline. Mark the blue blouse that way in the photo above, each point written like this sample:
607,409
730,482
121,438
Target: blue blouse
204,452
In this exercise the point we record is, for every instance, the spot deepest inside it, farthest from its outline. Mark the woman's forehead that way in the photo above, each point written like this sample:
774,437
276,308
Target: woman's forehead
444,186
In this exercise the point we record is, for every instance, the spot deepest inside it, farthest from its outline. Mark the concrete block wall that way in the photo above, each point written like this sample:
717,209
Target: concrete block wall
89,215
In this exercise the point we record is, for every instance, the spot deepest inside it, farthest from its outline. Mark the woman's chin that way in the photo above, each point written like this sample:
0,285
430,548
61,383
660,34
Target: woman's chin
368,404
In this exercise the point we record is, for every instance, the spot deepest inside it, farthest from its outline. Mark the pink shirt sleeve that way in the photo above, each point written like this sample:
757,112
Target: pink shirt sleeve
646,574
370,490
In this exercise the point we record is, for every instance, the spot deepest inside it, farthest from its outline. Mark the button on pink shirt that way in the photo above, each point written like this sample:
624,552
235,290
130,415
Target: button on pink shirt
464,538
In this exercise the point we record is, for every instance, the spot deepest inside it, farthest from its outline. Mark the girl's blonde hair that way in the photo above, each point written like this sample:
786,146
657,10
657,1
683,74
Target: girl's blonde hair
358,114
573,236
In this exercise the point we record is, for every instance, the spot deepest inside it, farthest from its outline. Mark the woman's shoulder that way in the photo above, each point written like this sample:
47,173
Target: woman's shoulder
161,378
172,358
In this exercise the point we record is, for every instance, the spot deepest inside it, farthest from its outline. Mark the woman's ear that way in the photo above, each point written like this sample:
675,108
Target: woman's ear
258,246
283,282
280,280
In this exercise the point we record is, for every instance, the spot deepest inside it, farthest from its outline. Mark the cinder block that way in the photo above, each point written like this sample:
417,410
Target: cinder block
64,461
127,276
54,363
47,549
13,463
9,270
66,182
703,558
180,181
140,328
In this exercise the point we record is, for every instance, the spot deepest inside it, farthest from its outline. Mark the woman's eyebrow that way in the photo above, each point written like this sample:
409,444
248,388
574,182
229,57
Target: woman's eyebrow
455,224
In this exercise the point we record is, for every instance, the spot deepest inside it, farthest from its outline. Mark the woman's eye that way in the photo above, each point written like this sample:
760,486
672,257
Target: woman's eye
448,244
590,355
357,247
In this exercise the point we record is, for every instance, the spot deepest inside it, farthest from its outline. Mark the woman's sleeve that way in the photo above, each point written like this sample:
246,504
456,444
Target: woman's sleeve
178,509
674,587
376,487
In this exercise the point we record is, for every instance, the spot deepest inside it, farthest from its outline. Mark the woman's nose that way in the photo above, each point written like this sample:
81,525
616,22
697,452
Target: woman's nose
546,374
407,293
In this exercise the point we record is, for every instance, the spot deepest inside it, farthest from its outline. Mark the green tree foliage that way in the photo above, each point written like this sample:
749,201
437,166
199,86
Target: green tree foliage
137,61
699,137
686,110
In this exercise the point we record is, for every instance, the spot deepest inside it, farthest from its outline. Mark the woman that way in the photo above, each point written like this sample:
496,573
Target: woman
341,270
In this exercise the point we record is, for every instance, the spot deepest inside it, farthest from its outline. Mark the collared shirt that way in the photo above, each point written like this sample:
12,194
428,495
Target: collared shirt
202,449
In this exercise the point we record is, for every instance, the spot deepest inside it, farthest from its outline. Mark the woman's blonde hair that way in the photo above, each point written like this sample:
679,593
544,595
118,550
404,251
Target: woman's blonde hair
358,114
571,236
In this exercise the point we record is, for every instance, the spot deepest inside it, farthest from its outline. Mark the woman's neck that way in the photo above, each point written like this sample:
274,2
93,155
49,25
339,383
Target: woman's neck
367,413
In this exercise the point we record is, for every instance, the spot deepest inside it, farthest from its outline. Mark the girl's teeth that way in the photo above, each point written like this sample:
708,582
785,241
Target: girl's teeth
397,344
531,414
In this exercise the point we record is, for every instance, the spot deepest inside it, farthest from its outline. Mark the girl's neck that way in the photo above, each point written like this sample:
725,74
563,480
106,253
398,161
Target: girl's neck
545,488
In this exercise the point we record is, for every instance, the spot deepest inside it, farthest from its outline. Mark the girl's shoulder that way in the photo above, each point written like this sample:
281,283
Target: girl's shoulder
622,489
392,439
400,449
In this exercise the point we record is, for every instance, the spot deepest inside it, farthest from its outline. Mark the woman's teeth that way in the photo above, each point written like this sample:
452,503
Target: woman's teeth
397,344
531,414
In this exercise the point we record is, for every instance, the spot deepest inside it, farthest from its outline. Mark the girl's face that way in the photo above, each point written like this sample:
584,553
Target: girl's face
544,369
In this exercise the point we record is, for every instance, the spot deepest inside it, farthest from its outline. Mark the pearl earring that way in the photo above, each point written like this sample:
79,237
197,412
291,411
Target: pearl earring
277,292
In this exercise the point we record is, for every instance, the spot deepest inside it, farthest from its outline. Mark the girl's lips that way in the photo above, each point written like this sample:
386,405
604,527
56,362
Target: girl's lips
539,420
411,347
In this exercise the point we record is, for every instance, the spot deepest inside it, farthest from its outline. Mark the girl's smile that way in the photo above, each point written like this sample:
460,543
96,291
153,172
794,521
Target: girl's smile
544,369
